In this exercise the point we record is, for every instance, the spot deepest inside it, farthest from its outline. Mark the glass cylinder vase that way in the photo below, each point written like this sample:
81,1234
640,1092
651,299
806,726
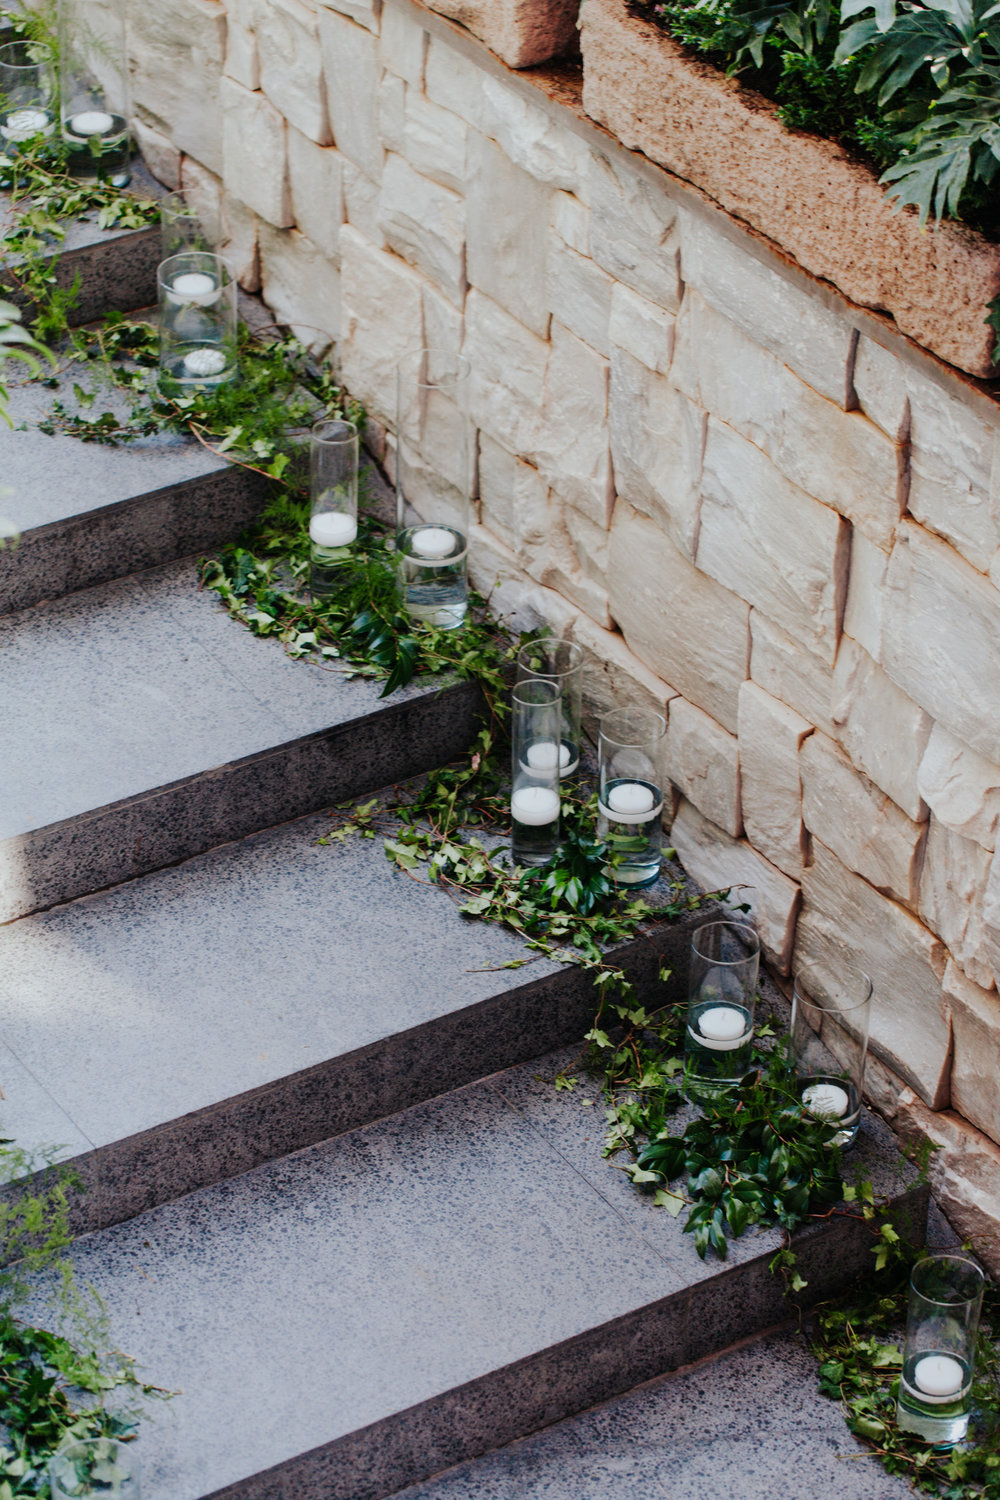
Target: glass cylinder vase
722,997
333,521
536,719
27,94
630,793
94,88
94,1467
197,293
939,1352
560,662
828,1041
181,227
435,466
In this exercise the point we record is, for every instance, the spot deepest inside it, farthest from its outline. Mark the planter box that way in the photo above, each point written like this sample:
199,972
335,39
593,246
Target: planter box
805,193
522,32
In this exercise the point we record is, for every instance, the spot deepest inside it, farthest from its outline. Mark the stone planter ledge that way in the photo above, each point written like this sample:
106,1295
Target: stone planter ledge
522,32
806,194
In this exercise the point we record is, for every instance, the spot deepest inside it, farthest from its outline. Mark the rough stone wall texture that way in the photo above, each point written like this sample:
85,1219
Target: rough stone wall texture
753,507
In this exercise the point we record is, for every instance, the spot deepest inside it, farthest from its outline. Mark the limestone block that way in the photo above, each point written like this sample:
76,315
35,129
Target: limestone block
513,596
522,32
771,736
991,917
573,452
242,59
634,232
508,374
975,1068
435,141
864,829
952,891
952,447
291,67
687,628
444,325
941,637
770,542
865,584
578,293
571,221
641,329
367,13
703,762
425,224
361,201
392,112
159,153
657,448
316,184
535,139
382,321
961,788
572,558
613,677
795,326
513,497
964,1174
789,672
880,386
203,192
507,219
351,65
253,148
455,82
838,457
717,862
301,286
240,242
883,731
178,50
404,45
846,926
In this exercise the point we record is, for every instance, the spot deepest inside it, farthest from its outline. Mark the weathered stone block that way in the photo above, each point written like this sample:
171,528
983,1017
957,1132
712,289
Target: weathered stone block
291,66
703,762
880,386
687,628
434,141
240,242
351,65
367,13
513,497
425,224
573,452
573,560
634,232
846,926
641,329
864,829
657,448
883,731
787,671
507,219
578,293
961,788
316,184
613,677
975,1022
392,112
253,148
717,862
865,585
770,542
952,891
202,191
514,596
571,221
178,47
508,375
964,1173
533,137
382,320
159,153
404,46
242,57
771,736
522,32
361,202
300,285
444,324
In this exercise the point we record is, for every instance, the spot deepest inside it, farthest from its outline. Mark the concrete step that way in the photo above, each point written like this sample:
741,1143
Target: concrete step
404,1297
140,725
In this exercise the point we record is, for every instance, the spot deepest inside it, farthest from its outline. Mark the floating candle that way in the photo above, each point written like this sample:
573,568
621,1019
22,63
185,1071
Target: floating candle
826,1100
194,286
22,124
432,541
204,362
723,1023
541,756
91,122
938,1375
631,797
333,528
535,805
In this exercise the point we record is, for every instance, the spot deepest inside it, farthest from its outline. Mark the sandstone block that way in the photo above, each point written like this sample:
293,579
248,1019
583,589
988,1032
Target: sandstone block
317,188
455,82
392,112
634,232
300,285
686,627
159,153
534,139
845,926
508,375
641,329
513,497
571,221
961,788
790,673
975,1021
952,891
573,452
865,584
991,917
941,637
880,386
240,242
771,736
382,320
425,224
435,141
507,218
351,65
883,731
361,201
404,46
522,32
703,762
203,192
578,294
367,13
444,324
573,560
253,148
964,1174
178,49
242,58
613,677
717,862
770,542
657,449
291,67
515,597
864,829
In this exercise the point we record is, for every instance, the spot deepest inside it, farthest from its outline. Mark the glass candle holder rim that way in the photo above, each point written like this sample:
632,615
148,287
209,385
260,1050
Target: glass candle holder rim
24,44
318,431
549,689
741,927
188,255
938,1257
418,357
831,1008
649,714
573,647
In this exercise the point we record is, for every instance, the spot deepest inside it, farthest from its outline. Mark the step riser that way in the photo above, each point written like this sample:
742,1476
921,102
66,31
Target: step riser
133,837
568,1378
164,525
115,274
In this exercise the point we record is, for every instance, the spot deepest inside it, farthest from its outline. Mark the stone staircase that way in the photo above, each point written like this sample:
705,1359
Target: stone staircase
332,1197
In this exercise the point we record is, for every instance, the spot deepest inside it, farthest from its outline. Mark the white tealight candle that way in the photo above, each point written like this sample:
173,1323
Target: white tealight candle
542,754
91,122
205,362
938,1375
432,541
194,286
22,124
333,528
535,805
631,797
826,1100
722,1023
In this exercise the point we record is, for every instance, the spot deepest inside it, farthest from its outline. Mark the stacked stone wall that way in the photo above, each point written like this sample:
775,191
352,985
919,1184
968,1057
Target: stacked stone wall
757,507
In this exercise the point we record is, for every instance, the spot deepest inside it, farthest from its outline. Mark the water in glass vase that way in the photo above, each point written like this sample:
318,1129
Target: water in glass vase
935,1396
534,814
98,145
433,574
834,1099
629,815
719,1042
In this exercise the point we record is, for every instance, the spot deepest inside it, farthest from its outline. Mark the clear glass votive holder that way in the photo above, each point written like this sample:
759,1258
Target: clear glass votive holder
939,1352
435,467
333,520
630,793
94,1466
197,292
180,227
27,94
560,662
536,718
828,1041
94,88
722,997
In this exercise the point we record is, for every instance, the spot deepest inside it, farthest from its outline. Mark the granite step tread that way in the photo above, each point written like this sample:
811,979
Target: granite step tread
371,1310
140,724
